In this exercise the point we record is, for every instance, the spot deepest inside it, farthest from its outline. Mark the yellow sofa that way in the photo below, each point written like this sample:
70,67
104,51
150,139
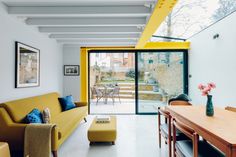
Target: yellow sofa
12,116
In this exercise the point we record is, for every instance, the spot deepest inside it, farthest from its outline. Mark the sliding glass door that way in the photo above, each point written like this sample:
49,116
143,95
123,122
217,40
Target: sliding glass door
161,75
112,82
135,81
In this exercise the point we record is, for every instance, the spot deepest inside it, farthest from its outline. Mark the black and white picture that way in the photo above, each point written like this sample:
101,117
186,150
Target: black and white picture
71,70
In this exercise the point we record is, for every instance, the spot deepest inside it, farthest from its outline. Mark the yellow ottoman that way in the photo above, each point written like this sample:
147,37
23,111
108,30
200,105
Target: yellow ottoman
102,132
4,150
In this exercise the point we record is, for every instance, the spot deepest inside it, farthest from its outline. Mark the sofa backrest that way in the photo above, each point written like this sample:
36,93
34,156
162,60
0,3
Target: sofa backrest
18,109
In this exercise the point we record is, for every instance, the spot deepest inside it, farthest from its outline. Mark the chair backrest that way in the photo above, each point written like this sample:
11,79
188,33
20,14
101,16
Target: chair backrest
163,112
229,108
98,92
189,132
179,103
184,128
116,90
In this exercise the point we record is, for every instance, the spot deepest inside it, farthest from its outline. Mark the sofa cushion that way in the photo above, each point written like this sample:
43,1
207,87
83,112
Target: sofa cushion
46,115
18,109
66,120
35,116
67,103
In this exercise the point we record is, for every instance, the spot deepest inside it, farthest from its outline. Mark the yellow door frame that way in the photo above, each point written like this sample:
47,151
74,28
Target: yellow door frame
84,59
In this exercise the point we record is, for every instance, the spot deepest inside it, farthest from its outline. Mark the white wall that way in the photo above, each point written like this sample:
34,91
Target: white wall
11,30
71,56
214,60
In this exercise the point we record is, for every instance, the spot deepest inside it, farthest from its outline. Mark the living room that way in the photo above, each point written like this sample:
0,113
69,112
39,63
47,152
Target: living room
109,104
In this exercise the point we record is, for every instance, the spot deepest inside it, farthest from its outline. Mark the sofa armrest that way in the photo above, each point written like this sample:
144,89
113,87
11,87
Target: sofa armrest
13,133
81,104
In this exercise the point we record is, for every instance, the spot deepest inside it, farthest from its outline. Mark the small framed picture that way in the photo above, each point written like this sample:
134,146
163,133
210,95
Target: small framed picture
27,66
71,70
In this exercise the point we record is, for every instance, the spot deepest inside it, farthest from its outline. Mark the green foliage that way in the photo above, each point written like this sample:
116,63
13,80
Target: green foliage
96,67
109,73
130,73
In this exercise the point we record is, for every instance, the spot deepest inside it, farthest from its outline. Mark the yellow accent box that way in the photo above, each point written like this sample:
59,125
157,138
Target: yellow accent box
103,132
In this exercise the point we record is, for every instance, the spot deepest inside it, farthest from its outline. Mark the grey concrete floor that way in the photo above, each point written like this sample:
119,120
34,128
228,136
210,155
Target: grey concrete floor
137,137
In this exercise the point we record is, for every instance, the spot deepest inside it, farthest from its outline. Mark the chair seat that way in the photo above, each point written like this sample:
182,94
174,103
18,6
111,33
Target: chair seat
179,135
185,149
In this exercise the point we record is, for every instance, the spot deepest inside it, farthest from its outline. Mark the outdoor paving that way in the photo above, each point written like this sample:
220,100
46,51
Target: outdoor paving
127,106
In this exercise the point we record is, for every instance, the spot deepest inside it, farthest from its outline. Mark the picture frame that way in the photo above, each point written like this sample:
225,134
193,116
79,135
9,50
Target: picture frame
27,66
71,70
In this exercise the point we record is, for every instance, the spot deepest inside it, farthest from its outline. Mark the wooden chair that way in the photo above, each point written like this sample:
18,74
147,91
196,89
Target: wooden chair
192,147
179,103
233,109
165,130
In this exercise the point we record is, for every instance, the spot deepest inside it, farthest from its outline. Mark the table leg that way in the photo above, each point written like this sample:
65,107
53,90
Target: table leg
105,100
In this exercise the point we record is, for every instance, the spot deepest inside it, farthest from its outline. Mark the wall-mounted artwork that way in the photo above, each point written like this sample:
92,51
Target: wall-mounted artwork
27,66
71,70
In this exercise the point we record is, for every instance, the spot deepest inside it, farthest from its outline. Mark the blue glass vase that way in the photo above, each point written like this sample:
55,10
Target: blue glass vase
209,106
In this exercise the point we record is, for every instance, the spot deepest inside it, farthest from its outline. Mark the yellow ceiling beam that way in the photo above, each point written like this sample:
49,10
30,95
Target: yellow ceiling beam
167,45
161,10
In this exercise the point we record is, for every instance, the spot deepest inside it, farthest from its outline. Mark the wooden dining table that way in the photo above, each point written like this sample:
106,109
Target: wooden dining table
219,130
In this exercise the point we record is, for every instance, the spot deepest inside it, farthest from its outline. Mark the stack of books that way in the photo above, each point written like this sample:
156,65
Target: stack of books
103,119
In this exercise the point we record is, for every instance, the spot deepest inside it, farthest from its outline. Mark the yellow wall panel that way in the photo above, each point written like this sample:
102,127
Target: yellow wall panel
83,75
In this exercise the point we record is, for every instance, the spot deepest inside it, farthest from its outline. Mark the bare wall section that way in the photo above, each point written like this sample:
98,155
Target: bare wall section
11,30
71,56
214,60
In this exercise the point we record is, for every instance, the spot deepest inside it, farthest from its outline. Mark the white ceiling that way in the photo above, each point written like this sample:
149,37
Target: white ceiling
85,22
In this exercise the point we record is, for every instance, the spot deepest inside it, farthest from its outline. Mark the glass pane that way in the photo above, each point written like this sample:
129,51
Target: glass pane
160,76
191,16
112,83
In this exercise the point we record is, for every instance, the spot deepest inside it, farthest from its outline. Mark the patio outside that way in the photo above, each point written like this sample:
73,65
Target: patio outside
112,81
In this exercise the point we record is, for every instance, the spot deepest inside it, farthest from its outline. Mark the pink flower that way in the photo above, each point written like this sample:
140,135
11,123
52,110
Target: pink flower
211,85
204,93
207,89
201,86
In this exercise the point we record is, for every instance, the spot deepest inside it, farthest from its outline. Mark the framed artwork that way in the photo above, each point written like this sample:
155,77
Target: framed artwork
27,66
71,70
